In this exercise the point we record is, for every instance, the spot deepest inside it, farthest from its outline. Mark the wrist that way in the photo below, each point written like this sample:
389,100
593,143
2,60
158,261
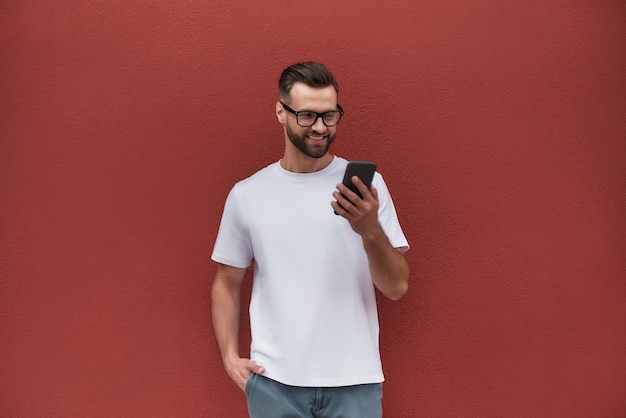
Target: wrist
374,235
230,358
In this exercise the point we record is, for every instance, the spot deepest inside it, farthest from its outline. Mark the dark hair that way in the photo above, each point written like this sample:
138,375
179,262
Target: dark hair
312,74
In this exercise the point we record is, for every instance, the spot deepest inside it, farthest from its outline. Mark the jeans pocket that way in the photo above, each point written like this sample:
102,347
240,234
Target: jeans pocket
250,383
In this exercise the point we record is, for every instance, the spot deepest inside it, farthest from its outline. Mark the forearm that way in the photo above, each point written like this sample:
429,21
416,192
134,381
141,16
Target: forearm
225,313
388,266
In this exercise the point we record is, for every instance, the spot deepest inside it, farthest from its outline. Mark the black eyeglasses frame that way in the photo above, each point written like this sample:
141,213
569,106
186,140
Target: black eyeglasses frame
317,115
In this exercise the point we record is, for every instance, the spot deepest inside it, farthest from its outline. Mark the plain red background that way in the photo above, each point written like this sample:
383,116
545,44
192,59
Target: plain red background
500,128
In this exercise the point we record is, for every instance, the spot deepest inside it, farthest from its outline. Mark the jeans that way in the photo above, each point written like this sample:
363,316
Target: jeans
268,398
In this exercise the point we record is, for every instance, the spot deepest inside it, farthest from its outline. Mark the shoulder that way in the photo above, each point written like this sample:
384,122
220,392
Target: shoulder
264,175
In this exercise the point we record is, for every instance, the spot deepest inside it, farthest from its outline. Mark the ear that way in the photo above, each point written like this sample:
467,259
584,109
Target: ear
280,113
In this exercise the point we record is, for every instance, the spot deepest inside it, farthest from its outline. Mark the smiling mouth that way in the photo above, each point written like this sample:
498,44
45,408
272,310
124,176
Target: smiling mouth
316,138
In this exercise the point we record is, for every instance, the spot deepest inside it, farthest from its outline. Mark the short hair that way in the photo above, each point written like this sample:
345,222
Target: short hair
312,74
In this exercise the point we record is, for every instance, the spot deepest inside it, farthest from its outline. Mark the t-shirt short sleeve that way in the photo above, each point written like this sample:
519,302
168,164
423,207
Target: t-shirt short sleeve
232,246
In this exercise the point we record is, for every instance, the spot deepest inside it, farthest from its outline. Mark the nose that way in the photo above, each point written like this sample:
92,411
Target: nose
319,126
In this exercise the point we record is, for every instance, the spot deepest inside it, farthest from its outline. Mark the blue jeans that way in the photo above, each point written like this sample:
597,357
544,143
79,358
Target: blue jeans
268,398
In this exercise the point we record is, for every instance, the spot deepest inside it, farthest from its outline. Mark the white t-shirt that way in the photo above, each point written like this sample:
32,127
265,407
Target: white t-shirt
313,314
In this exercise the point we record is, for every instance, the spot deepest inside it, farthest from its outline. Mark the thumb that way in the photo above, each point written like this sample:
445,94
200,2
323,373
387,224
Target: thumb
258,369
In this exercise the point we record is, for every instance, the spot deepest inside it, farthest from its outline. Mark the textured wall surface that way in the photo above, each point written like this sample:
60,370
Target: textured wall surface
500,128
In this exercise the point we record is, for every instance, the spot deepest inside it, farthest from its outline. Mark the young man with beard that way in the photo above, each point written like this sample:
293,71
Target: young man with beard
313,314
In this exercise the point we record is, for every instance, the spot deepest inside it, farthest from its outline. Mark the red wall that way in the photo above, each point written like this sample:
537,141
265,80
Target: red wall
499,126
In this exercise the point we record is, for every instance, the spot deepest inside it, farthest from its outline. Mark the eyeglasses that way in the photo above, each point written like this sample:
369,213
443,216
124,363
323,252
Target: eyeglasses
307,118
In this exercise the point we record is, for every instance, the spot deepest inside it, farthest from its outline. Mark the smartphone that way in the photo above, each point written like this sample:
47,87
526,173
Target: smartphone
364,170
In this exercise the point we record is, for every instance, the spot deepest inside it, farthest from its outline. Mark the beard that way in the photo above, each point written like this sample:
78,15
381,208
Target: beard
299,141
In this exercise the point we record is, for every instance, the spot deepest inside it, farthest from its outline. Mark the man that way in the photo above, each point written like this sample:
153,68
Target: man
313,314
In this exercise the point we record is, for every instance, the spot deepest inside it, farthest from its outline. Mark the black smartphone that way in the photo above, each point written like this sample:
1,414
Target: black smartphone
364,170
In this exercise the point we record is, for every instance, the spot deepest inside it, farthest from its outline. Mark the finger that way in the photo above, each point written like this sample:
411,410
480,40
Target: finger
243,382
339,210
346,194
374,192
336,208
361,186
343,202
256,368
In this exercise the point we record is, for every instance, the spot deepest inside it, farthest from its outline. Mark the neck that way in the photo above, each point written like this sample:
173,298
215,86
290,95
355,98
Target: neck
305,164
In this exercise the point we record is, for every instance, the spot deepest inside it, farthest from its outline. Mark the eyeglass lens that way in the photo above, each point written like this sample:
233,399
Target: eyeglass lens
330,118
